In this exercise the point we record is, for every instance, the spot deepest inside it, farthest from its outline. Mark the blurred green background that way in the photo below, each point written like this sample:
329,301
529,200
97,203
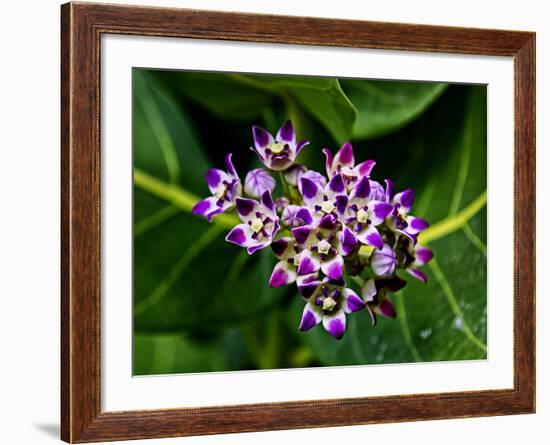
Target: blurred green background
201,304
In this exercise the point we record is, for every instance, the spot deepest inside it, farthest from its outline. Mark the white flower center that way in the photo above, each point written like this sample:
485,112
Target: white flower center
220,192
328,304
362,216
276,147
257,225
327,206
323,247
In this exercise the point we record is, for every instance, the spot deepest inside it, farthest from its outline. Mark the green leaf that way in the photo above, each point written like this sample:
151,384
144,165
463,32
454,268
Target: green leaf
322,97
445,319
385,106
170,353
222,95
183,279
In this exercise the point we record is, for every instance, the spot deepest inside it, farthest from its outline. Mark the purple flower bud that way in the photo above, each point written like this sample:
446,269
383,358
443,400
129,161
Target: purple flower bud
258,181
294,173
383,261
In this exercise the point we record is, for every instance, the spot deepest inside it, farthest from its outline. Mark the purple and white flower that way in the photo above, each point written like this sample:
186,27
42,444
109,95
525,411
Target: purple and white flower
323,246
412,256
332,199
399,220
257,181
344,163
284,272
225,188
279,152
329,303
363,215
259,225
375,293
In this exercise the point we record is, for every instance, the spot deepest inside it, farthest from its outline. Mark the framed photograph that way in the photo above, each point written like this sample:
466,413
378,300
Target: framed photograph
275,222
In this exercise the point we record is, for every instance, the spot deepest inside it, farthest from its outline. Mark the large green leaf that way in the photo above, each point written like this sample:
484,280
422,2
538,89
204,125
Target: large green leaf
384,106
170,353
182,276
222,95
322,97
445,319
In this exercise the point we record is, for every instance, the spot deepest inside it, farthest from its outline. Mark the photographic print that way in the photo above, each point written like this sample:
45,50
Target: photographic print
296,222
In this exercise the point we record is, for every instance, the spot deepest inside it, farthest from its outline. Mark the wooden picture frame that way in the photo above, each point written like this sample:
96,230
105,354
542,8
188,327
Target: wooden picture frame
82,26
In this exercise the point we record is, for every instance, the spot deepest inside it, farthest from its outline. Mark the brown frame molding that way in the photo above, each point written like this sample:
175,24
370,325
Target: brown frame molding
82,25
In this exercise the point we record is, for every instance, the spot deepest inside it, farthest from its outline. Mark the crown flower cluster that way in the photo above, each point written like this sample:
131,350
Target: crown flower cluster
323,229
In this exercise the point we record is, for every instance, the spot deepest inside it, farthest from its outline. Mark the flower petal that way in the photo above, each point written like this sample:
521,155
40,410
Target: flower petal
418,274
307,285
299,147
344,157
423,255
369,291
334,267
379,211
241,235
353,302
365,168
405,198
307,263
341,203
205,206
377,192
283,273
257,181
209,207
304,215
311,192
328,162
310,317
371,237
302,234
295,216
393,284
283,248
335,324
336,184
316,177
286,133
229,165
262,138
214,179
267,201
372,316
328,222
258,246
246,208
416,225
389,190
348,241
361,191
386,309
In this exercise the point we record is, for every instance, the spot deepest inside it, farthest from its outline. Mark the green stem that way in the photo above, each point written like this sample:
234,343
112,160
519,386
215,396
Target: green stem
455,222
286,191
